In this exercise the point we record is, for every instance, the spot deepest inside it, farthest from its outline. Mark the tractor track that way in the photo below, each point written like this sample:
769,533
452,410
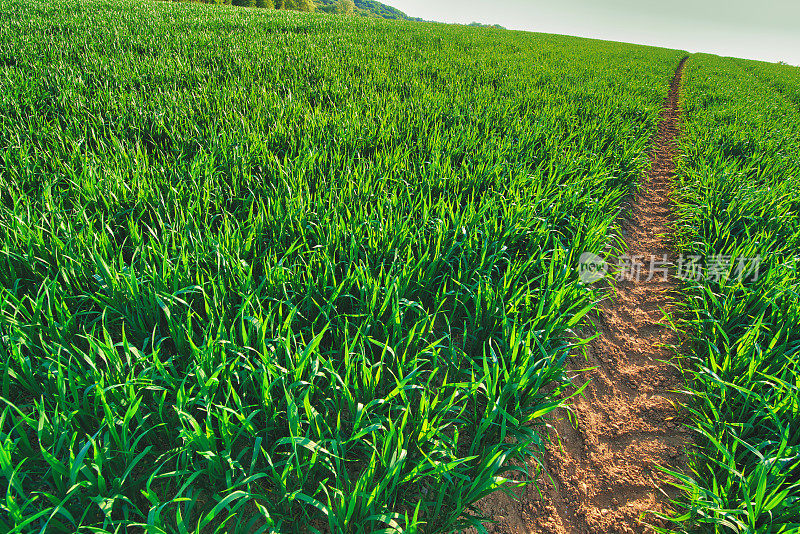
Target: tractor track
602,471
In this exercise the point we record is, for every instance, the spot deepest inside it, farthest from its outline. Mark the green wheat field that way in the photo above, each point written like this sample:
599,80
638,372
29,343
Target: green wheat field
270,271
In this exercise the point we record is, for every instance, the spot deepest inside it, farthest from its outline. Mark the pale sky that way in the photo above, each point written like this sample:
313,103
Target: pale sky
762,29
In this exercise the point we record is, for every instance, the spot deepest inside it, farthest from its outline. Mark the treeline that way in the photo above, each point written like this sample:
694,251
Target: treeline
373,8
482,25
342,7
365,8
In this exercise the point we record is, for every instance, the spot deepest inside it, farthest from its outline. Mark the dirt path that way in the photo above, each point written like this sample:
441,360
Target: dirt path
627,424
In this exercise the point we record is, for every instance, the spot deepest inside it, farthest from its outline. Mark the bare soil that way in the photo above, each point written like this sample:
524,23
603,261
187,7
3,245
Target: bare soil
601,468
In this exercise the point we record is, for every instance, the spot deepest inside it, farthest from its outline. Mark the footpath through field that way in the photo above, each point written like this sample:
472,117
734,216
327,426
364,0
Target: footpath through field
604,462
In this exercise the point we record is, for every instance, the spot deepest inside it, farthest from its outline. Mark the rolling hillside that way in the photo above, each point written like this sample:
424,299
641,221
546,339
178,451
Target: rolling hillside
366,8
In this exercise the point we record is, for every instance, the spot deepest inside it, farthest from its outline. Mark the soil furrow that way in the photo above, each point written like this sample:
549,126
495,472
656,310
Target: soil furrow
602,472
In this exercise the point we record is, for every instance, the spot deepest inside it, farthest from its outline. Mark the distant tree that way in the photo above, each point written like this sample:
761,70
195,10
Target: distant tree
245,3
297,5
345,7
268,4
481,25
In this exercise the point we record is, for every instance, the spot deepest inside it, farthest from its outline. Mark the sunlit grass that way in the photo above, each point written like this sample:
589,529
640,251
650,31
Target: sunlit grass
266,271
739,183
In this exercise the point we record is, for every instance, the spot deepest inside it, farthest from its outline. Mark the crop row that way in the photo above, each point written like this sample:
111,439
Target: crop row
269,271
739,183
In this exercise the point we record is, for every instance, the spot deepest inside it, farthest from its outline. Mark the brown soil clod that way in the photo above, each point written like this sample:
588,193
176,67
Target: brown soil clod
602,468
